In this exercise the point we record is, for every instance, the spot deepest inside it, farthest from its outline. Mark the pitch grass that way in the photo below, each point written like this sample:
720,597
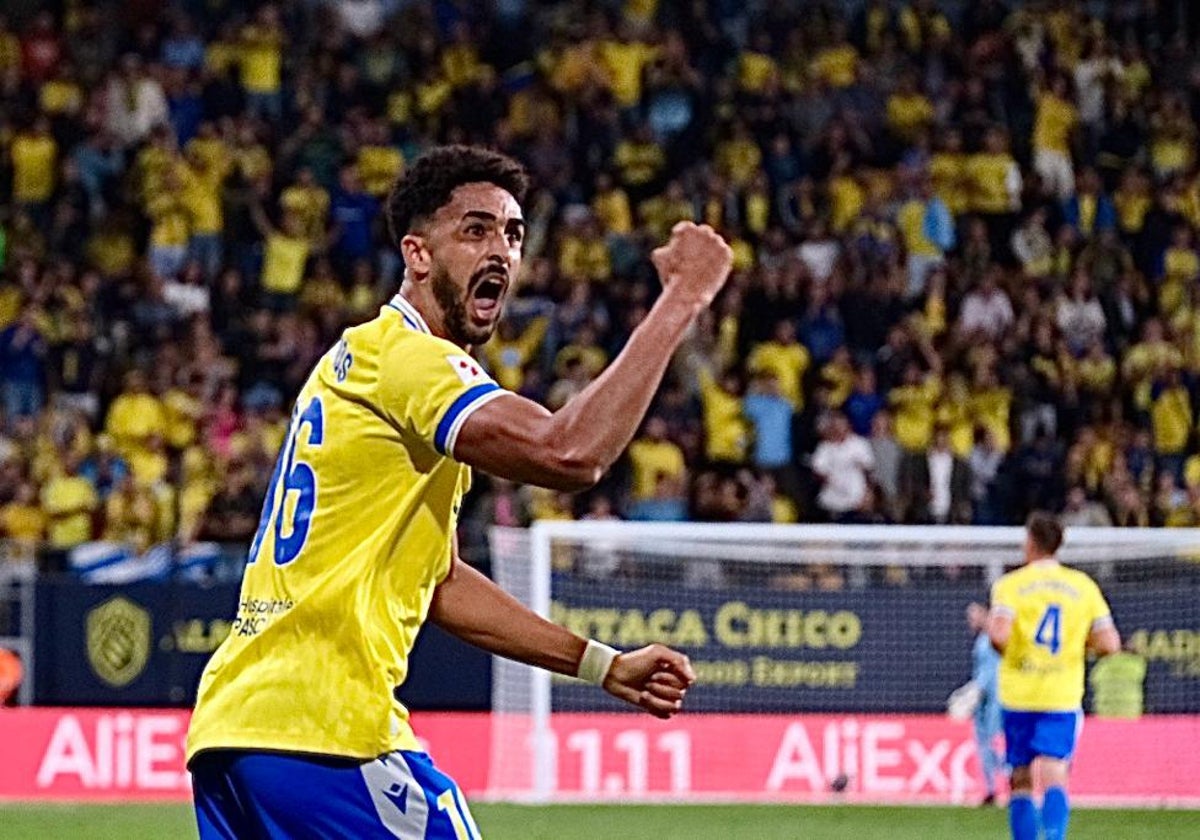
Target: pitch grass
636,822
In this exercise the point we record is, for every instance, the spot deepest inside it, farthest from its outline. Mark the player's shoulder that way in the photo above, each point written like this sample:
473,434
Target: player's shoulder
1013,575
417,368
1070,573
422,359
1081,579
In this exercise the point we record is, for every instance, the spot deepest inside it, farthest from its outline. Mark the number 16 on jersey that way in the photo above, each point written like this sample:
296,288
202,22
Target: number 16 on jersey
291,476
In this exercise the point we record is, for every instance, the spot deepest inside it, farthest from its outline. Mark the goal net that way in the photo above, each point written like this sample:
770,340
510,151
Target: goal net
825,657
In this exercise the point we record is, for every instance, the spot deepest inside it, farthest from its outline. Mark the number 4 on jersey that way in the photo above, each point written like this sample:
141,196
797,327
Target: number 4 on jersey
291,475
1049,629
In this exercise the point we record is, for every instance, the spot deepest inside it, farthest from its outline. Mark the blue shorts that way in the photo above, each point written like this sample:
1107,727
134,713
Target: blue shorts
272,796
1028,735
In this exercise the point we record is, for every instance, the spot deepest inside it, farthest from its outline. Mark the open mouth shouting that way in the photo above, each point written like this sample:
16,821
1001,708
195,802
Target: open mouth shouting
487,295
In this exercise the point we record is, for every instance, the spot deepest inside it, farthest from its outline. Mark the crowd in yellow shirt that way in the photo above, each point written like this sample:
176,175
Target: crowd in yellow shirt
831,152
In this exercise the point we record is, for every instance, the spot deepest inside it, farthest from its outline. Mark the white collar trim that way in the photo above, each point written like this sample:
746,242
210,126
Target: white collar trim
411,316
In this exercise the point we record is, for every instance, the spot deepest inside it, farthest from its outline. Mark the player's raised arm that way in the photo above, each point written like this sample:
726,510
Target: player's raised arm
518,439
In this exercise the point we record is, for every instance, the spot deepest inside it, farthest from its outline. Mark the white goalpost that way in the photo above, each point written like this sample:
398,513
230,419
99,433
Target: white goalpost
825,655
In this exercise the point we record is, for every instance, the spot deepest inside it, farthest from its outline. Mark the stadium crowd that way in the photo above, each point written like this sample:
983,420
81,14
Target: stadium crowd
965,236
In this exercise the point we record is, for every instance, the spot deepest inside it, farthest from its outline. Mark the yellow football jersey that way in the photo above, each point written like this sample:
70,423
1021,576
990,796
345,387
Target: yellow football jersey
355,535
1054,609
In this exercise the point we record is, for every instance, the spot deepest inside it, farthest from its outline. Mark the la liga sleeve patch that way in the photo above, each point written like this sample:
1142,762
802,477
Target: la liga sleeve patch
468,370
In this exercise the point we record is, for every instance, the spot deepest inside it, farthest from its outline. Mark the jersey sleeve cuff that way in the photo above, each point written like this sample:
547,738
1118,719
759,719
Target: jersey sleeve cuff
1102,622
467,403
1001,609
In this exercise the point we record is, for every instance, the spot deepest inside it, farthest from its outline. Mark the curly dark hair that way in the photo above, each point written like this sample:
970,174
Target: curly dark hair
427,184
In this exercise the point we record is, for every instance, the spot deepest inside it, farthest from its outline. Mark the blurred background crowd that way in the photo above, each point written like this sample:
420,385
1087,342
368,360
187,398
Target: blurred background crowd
965,236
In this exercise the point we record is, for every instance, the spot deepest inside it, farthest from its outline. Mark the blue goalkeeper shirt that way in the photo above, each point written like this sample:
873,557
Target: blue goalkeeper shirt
985,665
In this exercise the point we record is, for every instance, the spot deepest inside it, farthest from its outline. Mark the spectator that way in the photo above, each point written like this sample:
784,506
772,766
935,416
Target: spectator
1032,246
991,402
771,416
1171,415
353,211
864,403
996,184
1089,211
41,49
134,102
34,155
1171,506
511,349
887,454
261,44
667,504
652,458
821,327
725,429
232,515
131,515
843,463
69,500
1080,316
913,410
986,312
820,250
23,353
984,465
104,468
785,359
928,230
135,415
78,368
284,259
183,47
943,487
1053,128
23,519
874,210
1082,512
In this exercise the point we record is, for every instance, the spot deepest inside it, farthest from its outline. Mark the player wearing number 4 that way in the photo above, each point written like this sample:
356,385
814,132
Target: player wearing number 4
296,732
1044,619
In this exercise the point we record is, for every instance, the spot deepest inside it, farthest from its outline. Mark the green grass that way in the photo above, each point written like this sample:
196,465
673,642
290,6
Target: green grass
653,822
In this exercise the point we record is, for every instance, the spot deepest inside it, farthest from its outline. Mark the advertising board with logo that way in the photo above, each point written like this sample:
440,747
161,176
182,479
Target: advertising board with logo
126,754
878,649
883,650
146,644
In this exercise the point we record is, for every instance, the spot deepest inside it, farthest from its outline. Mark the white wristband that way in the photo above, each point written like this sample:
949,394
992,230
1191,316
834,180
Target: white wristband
597,659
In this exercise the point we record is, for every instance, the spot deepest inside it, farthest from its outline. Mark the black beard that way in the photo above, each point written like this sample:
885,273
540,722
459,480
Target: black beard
455,319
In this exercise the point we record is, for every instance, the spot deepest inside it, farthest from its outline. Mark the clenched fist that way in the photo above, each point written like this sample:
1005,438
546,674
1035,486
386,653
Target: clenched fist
654,678
694,264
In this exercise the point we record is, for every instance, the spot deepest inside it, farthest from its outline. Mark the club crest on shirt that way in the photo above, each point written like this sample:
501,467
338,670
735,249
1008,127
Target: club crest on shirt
467,369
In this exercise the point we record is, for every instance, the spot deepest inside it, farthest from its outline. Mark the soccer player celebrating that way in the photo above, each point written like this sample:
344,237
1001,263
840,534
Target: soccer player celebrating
1044,619
296,731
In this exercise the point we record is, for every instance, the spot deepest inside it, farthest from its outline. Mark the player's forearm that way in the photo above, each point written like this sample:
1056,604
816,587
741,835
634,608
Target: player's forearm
595,427
1105,641
999,629
479,612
